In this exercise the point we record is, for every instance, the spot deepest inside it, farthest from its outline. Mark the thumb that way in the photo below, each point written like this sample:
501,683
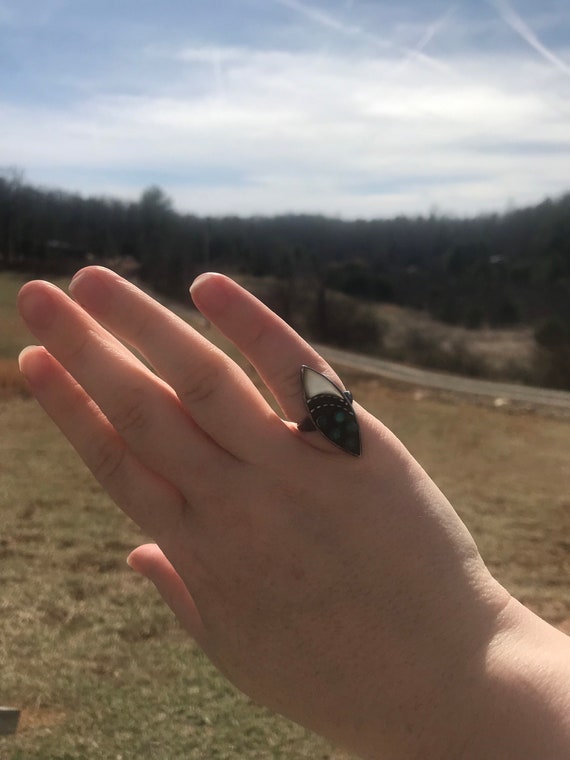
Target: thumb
150,561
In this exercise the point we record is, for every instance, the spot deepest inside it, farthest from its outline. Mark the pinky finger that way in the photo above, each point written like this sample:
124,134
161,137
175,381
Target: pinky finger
150,561
150,501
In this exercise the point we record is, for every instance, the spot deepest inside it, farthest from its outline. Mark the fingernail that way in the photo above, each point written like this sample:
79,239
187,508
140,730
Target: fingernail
201,279
131,562
22,359
31,362
37,307
209,292
90,291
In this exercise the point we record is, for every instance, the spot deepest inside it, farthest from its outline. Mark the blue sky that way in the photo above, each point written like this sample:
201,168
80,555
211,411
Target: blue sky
357,108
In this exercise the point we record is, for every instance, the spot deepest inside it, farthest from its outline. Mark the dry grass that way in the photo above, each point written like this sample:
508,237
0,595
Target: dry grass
11,381
98,664
417,338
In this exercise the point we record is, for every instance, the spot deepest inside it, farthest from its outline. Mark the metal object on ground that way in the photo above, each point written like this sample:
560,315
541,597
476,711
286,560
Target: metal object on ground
9,717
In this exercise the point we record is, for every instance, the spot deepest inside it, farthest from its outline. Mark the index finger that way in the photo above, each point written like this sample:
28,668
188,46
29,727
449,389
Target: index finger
276,351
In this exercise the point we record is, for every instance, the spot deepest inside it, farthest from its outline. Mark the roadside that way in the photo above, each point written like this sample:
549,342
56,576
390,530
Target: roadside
498,394
509,396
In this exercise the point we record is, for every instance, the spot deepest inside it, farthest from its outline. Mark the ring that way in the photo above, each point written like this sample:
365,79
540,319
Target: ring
330,411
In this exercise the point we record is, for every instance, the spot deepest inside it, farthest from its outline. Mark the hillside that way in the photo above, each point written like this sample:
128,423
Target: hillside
506,271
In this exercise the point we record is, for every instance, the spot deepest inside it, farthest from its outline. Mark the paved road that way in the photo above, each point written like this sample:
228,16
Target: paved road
503,392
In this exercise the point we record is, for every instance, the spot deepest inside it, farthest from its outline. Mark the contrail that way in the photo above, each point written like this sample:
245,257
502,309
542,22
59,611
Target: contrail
321,18
434,29
351,30
518,25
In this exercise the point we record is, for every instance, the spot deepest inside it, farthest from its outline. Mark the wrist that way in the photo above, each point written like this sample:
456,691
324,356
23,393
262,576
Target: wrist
522,707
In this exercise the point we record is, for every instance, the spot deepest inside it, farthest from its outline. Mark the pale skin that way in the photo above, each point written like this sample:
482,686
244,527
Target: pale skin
342,592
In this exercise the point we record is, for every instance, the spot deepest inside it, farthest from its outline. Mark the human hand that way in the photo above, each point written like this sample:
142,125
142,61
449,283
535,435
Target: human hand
342,592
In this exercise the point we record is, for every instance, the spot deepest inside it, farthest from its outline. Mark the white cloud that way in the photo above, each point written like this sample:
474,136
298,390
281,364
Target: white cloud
364,131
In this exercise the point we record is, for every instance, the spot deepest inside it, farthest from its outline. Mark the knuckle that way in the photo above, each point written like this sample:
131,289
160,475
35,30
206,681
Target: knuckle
288,380
107,459
130,415
199,389
289,385
255,337
142,330
76,349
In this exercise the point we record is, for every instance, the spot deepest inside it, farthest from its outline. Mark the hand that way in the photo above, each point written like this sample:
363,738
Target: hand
342,592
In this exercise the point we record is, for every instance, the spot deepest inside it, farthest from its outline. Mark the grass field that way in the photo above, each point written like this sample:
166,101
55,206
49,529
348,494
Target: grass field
99,666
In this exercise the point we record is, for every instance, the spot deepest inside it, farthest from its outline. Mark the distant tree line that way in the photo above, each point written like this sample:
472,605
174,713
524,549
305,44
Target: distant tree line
495,269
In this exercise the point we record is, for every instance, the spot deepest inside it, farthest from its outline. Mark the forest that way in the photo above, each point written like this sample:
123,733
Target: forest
494,270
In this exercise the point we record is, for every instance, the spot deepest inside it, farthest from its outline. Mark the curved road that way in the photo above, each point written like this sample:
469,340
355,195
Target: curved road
505,392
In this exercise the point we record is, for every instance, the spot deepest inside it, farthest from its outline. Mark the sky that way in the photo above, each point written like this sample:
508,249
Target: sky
351,108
